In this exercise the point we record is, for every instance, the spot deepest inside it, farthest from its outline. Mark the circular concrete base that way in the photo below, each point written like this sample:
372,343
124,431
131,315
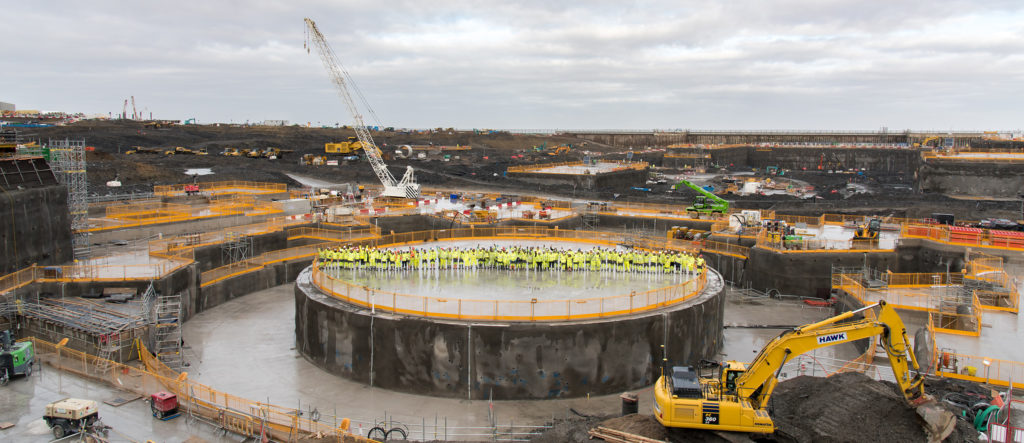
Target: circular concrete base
509,361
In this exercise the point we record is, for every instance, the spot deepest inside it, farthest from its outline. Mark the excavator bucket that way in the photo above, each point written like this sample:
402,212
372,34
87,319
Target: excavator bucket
939,422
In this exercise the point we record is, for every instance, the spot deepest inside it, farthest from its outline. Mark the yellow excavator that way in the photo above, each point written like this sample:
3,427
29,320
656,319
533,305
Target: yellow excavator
734,396
869,230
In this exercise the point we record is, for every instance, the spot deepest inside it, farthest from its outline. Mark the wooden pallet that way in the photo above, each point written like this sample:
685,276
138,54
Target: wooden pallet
612,435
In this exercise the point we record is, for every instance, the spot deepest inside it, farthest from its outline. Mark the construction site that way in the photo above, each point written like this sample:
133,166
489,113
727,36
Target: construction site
226,282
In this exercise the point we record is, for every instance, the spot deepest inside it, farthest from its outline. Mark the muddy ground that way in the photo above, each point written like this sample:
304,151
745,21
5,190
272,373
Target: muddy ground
483,167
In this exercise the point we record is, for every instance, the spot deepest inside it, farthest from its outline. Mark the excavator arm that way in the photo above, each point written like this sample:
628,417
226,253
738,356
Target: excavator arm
718,201
761,376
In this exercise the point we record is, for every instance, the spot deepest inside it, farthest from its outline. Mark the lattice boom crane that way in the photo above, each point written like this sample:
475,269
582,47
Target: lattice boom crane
407,187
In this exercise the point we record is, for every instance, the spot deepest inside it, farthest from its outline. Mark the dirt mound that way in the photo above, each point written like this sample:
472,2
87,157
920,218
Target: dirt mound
644,425
849,407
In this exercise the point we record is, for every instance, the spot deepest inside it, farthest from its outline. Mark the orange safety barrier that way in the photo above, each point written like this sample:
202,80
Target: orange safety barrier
224,187
960,234
251,419
726,248
1007,239
504,310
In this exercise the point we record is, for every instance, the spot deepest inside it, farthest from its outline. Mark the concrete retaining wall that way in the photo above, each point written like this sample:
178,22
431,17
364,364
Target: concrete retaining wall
1004,180
806,273
234,287
36,228
512,361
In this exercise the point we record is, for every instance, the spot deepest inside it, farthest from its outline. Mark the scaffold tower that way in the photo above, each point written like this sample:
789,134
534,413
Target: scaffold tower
68,163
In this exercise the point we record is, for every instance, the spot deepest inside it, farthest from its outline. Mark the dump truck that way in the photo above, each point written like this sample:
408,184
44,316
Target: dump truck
70,416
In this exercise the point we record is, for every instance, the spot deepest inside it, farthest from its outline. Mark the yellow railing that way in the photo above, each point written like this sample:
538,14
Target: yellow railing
259,262
17,279
940,317
1006,157
333,234
236,414
997,372
505,310
224,187
89,273
726,248
924,279
778,243
146,210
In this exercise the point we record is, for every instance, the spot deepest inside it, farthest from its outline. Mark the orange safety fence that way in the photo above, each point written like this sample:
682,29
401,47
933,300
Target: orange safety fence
506,310
779,243
146,210
259,262
988,157
970,367
333,234
223,187
188,241
942,316
251,419
923,279
90,273
726,248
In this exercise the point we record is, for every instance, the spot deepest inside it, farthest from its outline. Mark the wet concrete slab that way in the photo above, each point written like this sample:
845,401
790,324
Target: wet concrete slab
491,284
246,347
24,400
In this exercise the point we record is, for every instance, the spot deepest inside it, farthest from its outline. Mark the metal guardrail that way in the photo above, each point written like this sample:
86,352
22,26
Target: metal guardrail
251,419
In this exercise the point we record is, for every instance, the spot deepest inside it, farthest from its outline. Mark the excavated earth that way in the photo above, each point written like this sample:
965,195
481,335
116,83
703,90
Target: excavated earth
482,168
847,407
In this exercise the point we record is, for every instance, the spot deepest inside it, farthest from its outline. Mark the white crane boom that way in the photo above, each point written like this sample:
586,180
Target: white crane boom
407,187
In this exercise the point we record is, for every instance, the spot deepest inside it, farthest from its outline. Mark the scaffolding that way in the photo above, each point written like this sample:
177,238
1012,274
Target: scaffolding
68,158
168,331
236,248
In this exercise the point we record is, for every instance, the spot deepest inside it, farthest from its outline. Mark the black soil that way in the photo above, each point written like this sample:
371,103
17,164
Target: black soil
847,407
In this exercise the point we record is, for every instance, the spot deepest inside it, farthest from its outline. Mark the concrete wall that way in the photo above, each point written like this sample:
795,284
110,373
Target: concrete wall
806,273
212,256
514,361
36,228
265,278
1004,180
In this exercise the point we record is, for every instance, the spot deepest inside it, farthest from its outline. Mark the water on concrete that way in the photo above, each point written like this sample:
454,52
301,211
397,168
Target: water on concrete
492,284
246,347
24,400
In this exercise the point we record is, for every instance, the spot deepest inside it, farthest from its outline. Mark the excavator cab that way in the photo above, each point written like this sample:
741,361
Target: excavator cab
868,231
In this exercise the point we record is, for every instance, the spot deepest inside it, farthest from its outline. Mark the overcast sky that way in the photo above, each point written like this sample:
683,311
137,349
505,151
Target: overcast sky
743,64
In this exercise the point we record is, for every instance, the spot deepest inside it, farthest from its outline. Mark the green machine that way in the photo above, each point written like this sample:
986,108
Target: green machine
705,201
15,358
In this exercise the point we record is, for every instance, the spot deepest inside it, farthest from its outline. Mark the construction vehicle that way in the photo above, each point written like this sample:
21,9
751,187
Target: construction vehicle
350,146
559,150
705,202
15,358
404,188
483,216
164,405
70,416
234,152
313,160
142,150
869,230
273,153
735,396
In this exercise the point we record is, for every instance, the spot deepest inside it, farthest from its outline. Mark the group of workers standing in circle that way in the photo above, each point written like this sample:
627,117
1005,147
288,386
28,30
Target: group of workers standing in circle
514,258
